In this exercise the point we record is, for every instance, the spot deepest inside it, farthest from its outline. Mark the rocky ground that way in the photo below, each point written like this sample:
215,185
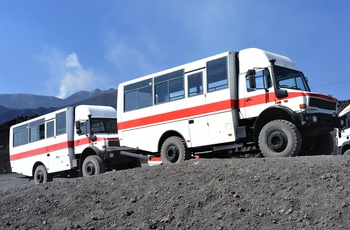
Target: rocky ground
237,193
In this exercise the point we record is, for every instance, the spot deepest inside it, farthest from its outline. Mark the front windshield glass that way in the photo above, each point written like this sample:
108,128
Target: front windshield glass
290,79
104,125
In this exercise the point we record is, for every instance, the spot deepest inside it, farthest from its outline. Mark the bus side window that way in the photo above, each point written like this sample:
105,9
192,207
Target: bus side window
169,87
50,129
37,130
20,135
138,95
217,74
262,79
83,128
195,84
61,123
348,117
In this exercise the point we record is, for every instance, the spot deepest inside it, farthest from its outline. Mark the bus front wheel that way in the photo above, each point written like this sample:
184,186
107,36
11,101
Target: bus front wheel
173,150
93,165
280,138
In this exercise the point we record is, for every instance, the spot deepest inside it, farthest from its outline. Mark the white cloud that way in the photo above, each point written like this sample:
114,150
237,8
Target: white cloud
72,60
67,74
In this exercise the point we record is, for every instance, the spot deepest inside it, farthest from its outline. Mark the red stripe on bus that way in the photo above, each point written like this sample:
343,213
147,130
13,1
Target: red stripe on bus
56,147
215,107
46,149
178,114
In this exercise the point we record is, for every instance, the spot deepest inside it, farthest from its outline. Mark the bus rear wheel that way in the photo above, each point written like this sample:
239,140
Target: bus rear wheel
93,165
173,150
41,175
279,138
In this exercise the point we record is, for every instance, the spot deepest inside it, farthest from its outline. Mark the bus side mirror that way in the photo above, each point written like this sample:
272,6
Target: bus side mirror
77,126
251,78
92,135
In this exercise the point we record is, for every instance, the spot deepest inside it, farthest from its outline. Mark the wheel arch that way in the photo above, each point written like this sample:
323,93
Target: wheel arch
91,150
169,134
345,146
270,114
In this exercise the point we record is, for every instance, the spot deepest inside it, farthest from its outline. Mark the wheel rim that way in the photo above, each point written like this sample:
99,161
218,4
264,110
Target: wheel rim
172,153
277,141
40,177
90,169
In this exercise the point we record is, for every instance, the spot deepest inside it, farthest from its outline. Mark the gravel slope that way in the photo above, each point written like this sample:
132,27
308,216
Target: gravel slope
254,193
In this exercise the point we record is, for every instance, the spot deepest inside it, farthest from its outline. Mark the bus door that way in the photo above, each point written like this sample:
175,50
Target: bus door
196,110
58,144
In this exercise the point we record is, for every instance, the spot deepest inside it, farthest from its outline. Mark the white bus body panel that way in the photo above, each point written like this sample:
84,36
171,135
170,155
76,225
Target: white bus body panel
207,127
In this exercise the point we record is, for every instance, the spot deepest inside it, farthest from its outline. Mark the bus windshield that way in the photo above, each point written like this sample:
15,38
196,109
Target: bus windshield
290,79
104,125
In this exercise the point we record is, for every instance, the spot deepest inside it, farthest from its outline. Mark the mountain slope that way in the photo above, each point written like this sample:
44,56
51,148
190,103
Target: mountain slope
30,101
29,105
82,95
108,98
3,110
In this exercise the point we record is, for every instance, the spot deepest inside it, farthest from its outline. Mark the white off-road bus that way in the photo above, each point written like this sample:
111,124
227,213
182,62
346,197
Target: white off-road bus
81,139
343,138
225,102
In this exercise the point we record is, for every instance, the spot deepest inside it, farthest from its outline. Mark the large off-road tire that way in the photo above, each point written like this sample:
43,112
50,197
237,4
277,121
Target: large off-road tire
347,153
41,175
174,150
319,145
93,165
279,138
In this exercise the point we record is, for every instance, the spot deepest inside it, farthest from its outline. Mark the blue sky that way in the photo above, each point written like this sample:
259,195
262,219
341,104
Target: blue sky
59,47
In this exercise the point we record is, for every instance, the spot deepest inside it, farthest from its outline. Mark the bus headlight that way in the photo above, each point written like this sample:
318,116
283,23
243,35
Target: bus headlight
314,119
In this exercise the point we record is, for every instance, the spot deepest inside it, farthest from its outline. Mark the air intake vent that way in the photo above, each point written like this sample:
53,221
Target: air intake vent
323,104
113,143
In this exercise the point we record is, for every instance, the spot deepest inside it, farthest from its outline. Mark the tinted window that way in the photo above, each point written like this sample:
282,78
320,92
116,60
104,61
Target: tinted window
138,95
104,125
61,123
20,135
195,84
290,79
217,74
169,87
50,132
37,130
